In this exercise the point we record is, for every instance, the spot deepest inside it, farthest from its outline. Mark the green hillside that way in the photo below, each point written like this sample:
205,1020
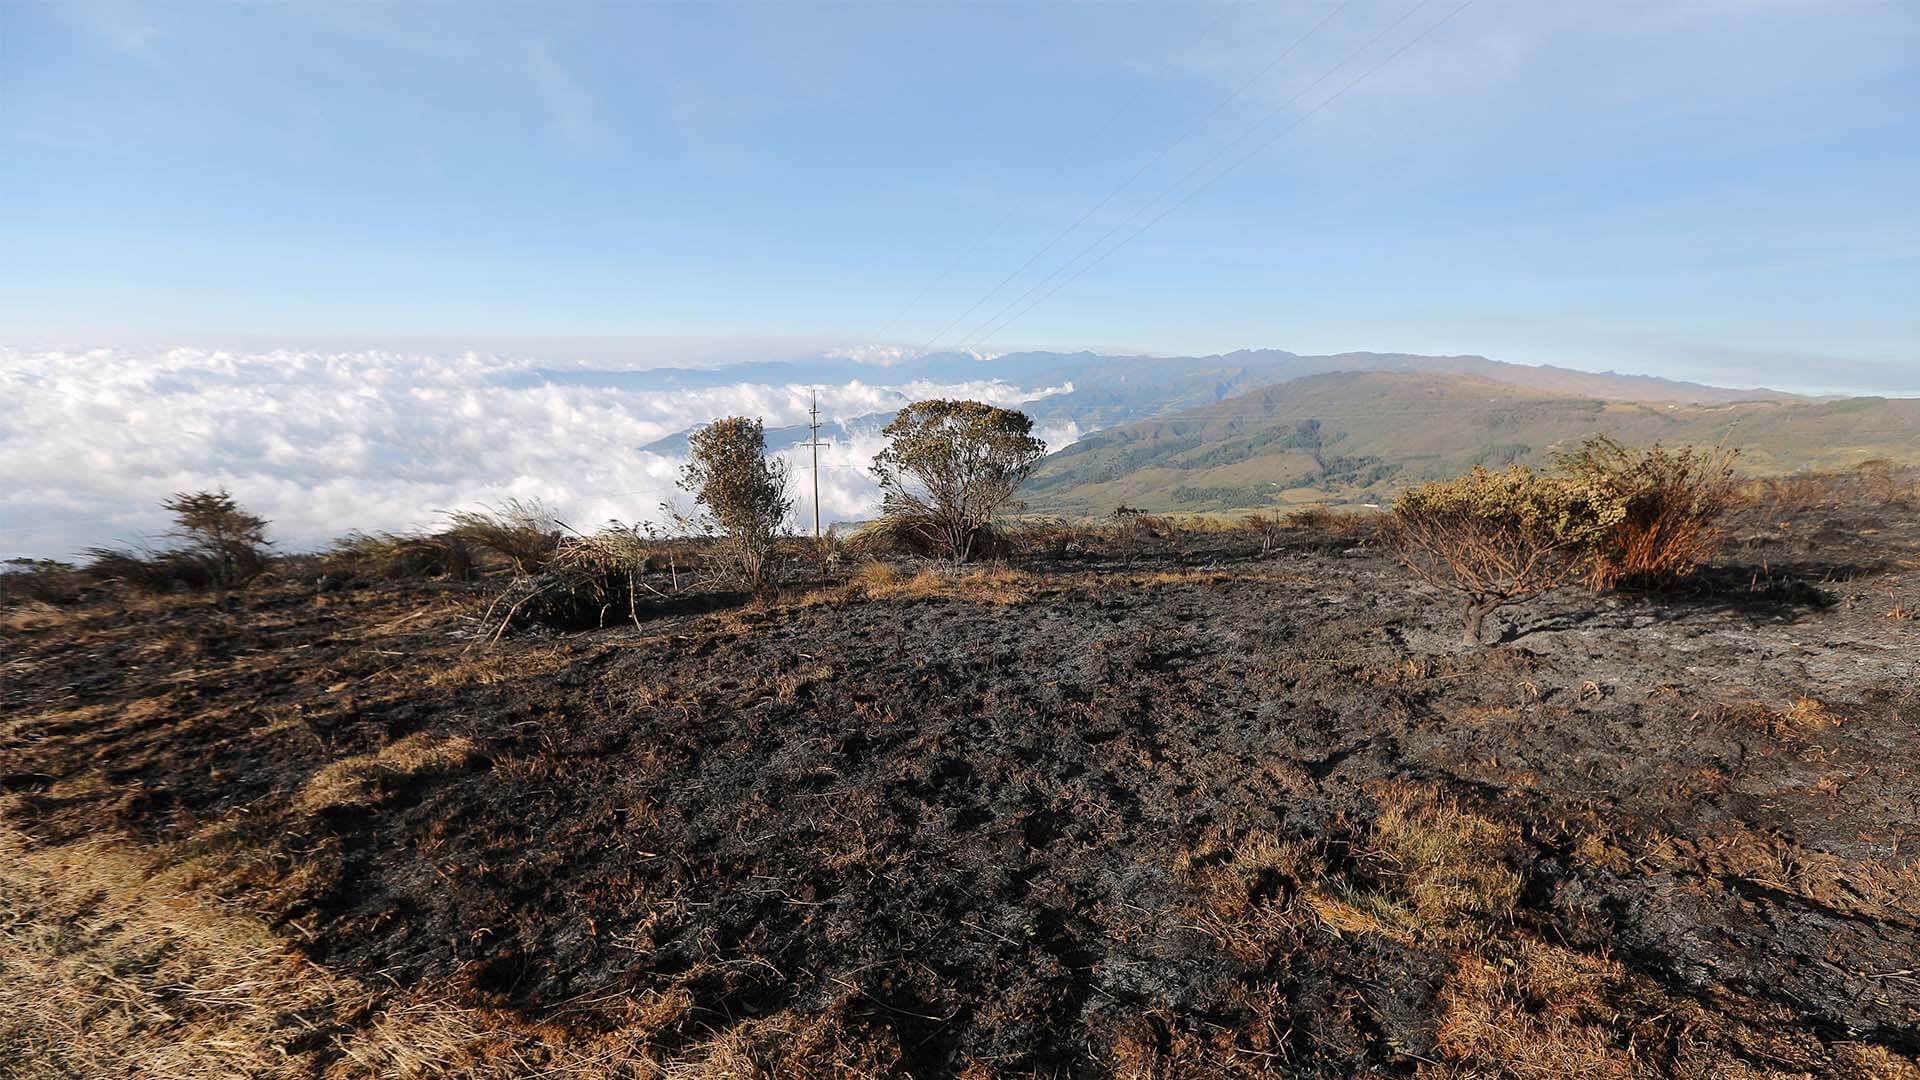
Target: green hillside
1361,436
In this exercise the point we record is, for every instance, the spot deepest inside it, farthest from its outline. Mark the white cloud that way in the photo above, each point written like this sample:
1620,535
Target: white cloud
323,443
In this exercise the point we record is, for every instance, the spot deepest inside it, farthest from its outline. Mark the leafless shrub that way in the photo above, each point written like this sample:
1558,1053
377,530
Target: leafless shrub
1888,483
1267,528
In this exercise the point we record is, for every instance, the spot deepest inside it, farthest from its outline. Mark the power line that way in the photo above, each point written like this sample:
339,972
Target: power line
985,334
1166,149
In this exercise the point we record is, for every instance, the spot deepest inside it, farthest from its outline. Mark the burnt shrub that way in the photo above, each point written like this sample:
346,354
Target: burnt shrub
1495,538
1663,508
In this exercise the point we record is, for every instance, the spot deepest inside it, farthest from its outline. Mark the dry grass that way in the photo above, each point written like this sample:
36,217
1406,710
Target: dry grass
1445,864
30,616
1329,522
1542,1012
108,968
361,779
997,585
111,967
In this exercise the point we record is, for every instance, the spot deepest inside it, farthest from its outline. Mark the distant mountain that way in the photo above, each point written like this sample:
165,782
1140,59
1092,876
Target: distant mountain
1362,435
782,438
1106,390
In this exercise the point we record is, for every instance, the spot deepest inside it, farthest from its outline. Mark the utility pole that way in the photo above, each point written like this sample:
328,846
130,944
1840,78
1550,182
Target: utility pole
813,440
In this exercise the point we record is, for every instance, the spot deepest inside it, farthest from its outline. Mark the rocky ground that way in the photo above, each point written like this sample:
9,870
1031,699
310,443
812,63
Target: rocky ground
1202,811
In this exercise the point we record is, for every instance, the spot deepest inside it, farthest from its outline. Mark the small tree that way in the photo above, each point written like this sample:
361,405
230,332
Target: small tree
744,494
210,526
949,466
1496,538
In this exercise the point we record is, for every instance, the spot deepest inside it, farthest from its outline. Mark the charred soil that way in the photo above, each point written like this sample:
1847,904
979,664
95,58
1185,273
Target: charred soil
1197,812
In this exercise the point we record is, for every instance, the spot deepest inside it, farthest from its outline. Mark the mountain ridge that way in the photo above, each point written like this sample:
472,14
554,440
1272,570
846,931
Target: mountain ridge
1362,436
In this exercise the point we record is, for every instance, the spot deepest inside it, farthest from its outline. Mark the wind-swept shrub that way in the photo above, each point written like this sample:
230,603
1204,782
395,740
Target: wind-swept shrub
210,526
949,467
743,494
522,531
1663,508
215,544
1496,538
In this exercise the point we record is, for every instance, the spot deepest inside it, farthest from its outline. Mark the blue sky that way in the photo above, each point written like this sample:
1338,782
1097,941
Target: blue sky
1712,189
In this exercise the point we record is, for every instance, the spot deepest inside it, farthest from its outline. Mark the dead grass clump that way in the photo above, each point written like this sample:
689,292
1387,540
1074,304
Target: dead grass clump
109,967
150,572
396,556
1542,1011
28,616
363,780
1445,864
585,582
1000,585
1053,538
1794,493
522,531
40,582
1247,887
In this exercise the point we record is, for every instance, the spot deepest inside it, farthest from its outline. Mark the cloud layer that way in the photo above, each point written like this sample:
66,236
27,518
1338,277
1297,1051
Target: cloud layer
323,443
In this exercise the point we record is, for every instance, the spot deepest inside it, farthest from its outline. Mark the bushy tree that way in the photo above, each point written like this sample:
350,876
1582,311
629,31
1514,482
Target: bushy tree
210,526
950,466
1497,538
743,494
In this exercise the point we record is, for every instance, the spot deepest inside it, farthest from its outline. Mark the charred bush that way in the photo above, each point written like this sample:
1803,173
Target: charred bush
1494,538
1663,508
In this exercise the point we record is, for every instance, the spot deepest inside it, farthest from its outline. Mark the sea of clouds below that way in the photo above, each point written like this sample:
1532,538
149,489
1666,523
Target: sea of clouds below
324,443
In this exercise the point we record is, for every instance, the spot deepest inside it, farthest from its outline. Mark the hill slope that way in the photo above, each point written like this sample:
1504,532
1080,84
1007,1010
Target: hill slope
1362,435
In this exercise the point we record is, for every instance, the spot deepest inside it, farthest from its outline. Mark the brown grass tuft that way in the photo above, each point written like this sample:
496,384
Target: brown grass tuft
359,780
999,585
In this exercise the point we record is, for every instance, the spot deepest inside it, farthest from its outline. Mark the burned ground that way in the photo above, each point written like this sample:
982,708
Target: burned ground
1197,812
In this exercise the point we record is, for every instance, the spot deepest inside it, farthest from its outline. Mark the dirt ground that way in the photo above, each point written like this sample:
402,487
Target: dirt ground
1201,812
